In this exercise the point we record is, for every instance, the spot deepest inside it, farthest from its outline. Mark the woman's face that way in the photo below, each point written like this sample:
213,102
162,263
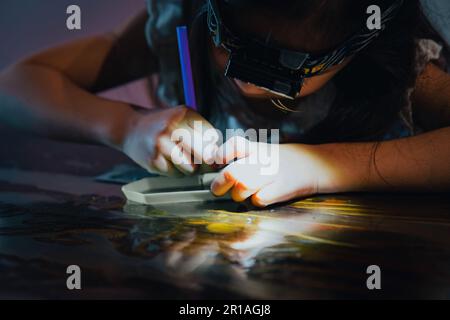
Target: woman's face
311,85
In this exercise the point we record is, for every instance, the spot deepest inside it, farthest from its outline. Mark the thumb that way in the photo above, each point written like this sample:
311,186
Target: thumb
235,148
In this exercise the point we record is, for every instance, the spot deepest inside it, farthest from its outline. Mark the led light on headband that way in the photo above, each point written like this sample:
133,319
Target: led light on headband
279,70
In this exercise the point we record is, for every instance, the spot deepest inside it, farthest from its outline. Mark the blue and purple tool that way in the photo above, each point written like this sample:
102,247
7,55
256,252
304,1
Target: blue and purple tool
186,67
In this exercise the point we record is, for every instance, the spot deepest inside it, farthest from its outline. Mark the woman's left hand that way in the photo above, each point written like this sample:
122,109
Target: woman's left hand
269,173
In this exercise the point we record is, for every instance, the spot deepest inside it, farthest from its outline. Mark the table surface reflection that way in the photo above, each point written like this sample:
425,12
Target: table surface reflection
315,248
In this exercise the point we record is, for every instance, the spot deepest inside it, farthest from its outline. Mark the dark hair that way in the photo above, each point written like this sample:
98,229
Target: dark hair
373,88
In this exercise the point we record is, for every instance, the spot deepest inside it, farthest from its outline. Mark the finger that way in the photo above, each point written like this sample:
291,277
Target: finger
243,177
222,183
164,166
193,119
206,146
248,182
275,193
209,140
177,116
205,137
161,164
179,157
240,192
202,145
234,148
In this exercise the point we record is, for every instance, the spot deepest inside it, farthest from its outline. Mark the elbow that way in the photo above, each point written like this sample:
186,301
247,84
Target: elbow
10,75
19,76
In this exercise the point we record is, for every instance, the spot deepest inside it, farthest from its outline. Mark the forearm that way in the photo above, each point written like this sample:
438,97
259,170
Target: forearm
43,101
420,163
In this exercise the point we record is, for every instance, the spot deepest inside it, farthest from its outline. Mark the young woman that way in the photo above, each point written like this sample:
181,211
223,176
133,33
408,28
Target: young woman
375,119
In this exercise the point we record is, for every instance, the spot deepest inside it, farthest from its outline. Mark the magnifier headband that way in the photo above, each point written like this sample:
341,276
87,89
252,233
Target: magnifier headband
279,70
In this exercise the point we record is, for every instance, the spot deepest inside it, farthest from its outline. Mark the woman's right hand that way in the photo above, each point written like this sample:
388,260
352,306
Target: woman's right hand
172,141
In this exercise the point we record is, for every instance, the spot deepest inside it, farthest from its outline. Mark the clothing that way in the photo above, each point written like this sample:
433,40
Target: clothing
227,108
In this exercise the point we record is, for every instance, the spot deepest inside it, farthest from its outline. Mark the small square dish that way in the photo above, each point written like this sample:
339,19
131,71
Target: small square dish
160,190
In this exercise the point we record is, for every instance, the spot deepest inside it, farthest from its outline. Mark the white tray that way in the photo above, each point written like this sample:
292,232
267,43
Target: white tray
171,190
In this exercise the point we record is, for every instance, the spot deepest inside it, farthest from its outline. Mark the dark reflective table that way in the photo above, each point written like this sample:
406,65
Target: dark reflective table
54,214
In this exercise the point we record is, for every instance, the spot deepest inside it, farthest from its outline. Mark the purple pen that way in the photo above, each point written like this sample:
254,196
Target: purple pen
186,67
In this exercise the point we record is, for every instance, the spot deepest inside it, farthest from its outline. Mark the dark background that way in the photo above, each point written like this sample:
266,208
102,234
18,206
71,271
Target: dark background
29,25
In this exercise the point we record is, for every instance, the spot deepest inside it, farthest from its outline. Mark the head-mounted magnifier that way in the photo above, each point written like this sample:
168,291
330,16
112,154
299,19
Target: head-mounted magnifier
279,70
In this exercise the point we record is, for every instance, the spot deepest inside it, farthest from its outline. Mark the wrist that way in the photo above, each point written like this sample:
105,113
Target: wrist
343,167
118,126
